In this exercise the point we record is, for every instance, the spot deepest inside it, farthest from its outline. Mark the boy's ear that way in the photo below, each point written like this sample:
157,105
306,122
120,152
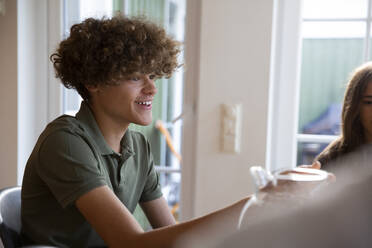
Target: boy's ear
92,88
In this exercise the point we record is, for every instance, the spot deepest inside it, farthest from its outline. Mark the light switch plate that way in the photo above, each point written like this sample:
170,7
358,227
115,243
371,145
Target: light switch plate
231,118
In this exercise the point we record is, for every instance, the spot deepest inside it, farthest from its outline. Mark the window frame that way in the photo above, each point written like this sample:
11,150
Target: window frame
55,35
284,85
283,135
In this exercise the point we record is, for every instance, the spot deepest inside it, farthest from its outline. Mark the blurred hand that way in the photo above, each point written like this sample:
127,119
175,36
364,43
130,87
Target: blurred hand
286,188
286,195
316,165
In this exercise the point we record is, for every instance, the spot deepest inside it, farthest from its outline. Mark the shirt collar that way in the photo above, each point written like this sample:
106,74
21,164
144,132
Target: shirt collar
86,117
127,143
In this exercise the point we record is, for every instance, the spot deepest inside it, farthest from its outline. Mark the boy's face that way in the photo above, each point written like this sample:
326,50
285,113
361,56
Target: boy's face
366,113
128,102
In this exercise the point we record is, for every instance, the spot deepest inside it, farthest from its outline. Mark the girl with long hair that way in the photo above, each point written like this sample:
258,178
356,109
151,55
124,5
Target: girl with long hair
356,119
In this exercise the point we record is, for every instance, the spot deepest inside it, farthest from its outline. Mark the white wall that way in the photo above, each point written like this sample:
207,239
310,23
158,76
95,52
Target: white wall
23,77
8,95
235,43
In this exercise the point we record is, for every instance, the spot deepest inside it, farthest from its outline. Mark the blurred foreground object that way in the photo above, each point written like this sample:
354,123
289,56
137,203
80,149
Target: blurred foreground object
290,186
339,216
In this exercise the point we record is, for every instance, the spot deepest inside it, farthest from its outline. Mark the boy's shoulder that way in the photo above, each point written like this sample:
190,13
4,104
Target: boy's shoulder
63,122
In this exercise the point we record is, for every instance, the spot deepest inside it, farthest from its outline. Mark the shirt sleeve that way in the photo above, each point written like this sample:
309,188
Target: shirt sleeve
152,189
68,167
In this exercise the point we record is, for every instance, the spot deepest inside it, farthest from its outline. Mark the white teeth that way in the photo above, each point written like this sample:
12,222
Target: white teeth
145,103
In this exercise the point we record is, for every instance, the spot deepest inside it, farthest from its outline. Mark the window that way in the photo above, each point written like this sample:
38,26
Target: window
317,45
167,105
334,42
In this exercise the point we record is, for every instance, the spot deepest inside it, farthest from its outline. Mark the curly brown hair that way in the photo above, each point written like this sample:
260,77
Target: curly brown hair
103,51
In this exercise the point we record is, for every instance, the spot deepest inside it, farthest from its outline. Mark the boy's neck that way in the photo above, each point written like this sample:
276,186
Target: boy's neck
111,130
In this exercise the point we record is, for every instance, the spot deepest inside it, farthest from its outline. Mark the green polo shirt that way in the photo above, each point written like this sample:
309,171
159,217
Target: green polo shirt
70,159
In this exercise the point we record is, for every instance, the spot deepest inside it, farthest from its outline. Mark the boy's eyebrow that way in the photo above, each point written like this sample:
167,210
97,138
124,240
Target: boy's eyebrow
367,96
133,74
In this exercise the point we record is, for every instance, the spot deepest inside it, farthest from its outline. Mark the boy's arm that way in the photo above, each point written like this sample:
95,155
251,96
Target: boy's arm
118,228
158,213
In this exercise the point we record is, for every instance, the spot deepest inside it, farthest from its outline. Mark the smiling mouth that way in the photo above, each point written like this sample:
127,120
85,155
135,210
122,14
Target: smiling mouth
146,103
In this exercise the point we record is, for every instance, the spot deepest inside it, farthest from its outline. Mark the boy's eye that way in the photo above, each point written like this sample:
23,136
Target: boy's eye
134,78
153,76
368,102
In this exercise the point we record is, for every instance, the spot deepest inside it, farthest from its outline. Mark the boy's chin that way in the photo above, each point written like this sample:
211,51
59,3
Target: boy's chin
144,123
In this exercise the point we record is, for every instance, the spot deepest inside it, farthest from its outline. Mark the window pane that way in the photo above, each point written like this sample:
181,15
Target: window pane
335,8
170,183
333,29
307,151
71,101
370,44
326,65
95,8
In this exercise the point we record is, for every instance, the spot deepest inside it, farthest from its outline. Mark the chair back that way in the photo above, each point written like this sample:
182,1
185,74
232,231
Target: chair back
10,216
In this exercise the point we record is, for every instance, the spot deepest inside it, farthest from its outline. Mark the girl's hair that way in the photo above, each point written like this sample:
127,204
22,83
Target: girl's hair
103,51
352,132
